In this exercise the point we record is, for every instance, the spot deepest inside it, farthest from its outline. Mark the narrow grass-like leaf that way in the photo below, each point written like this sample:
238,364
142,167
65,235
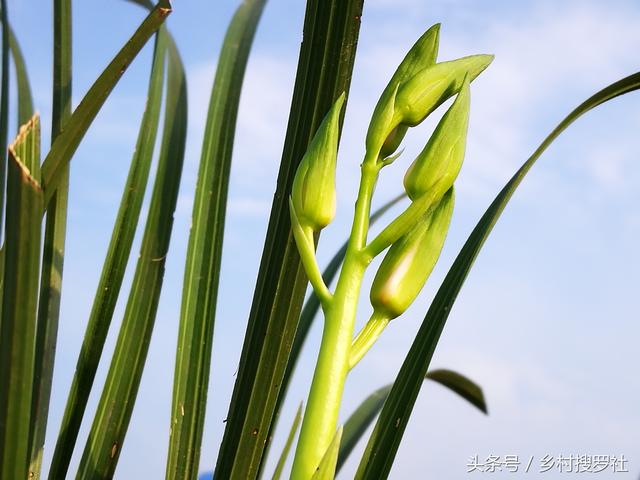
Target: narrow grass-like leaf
312,307
25,99
4,103
277,473
67,142
327,468
114,267
25,111
324,71
204,254
116,403
54,242
20,299
368,410
385,440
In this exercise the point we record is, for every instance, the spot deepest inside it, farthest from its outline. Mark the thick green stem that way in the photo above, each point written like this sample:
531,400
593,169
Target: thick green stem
321,415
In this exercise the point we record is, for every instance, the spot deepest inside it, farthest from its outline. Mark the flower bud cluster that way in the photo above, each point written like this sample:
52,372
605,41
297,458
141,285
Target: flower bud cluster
418,87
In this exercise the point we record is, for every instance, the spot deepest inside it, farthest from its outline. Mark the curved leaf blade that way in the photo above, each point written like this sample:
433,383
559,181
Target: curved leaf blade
204,253
67,142
114,266
23,232
326,61
385,440
368,410
466,388
4,103
116,403
312,307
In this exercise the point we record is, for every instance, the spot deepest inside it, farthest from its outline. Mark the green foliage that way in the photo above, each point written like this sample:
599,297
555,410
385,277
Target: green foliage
204,254
23,233
327,56
277,473
367,411
114,267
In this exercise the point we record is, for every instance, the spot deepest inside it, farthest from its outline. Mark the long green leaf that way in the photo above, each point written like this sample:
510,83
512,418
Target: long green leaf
25,111
383,444
204,254
67,142
4,103
114,267
277,473
25,99
368,410
54,242
310,311
116,403
312,305
467,389
324,71
20,299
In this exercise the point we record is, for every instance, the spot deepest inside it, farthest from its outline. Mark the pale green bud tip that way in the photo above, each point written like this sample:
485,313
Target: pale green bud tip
439,163
409,262
421,55
428,89
314,192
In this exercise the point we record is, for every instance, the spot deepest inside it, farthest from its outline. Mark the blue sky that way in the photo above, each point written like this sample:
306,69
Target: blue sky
547,320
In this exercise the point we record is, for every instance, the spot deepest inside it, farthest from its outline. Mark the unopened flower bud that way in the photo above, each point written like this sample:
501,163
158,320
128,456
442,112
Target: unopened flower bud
439,163
428,89
409,262
314,186
422,55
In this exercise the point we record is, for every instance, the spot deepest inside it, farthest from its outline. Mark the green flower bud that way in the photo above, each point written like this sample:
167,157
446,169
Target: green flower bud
314,186
441,159
409,262
428,89
422,55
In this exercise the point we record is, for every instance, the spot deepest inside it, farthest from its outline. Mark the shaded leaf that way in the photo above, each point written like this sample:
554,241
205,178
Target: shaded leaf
4,103
326,61
312,307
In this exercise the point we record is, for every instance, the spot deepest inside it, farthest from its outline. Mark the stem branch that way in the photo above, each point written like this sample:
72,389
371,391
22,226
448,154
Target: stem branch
321,415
